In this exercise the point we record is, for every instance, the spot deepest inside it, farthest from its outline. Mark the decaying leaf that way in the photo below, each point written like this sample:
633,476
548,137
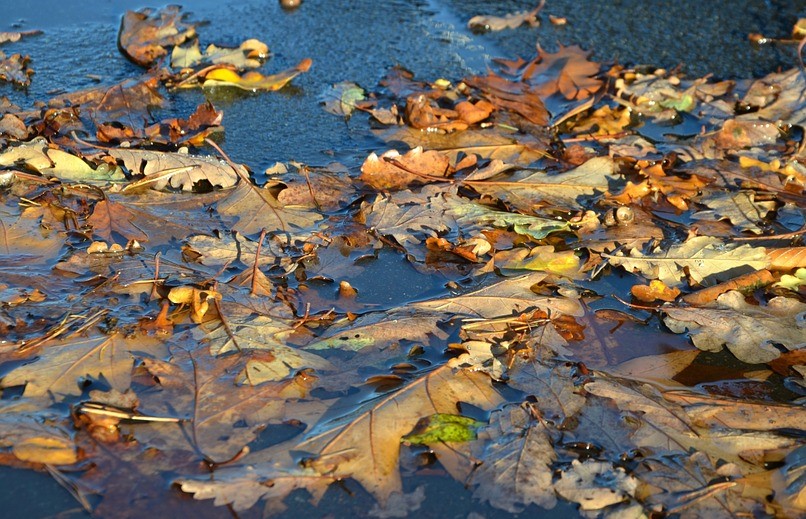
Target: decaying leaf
703,258
146,35
177,170
526,189
370,454
249,54
253,80
755,334
63,365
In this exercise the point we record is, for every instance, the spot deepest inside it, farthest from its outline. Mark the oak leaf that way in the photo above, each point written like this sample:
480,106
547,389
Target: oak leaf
366,446
507,297
145,35
527,188
751,333
63,364
164,170
517,461
740,208
702,257
256,208
568,72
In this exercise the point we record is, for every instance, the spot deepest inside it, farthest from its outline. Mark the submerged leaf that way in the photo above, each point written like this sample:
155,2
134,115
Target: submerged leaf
442,427
366,446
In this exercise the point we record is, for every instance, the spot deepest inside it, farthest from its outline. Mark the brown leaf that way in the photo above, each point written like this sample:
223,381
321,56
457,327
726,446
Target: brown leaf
367,447
256,209
14,69
177,170
567,72
511,96
146,35
393,171
109,217
252,80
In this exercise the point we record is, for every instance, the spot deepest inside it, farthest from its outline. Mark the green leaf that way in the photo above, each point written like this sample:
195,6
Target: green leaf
442,427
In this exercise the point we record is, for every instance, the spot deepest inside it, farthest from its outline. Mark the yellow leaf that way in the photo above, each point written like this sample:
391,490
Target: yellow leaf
48,450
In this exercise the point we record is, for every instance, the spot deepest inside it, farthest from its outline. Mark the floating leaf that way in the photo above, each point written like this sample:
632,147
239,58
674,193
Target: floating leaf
526,189
703,257
252,80
341,98
145,35
360,449
178,170
752,333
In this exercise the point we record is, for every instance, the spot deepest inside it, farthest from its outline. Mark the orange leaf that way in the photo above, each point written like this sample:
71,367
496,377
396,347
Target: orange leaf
787,259
656,290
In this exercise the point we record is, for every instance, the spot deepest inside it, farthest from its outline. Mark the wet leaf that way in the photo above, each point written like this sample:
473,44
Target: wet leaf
249,54
164,170
567,72
752,333
393,171
256,208
703,257
38,156
442,427
146,35
48,450
360,449
517,461
655,291
526,189
740,208
244,488
507,297
484,23
595,485
14,69
109,217
341,98
63,365
253,80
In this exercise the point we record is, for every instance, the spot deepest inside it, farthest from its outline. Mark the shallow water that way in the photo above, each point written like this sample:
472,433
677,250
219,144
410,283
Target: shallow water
359,40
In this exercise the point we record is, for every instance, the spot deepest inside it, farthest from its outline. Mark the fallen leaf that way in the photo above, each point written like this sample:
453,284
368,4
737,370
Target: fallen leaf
393,171
62,365
256,208
517,460
655,291
484,23
253,80
595,485
526,189
740,208
568,72
145,35
49,450
507,297
250,53
703,257
752,333
367,446
165,170
341,98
